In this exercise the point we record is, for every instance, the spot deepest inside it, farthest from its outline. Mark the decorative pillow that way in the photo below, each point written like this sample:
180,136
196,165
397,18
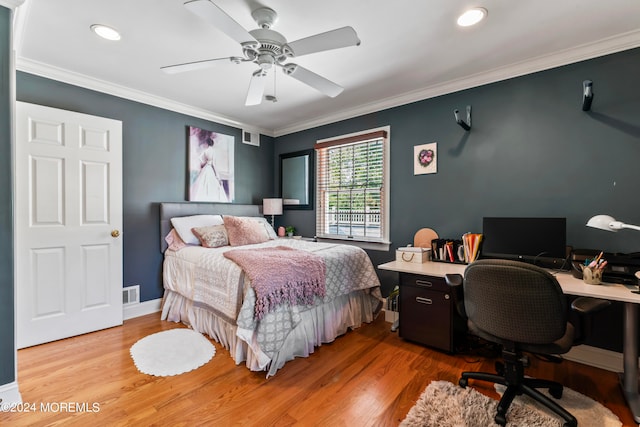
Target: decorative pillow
174,241
267,225
184,224
212,236
244,231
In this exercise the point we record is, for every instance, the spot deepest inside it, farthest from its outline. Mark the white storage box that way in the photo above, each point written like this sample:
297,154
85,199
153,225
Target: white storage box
412,254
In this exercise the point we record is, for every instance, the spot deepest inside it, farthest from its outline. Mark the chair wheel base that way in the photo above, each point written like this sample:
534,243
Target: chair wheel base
462,382
555,392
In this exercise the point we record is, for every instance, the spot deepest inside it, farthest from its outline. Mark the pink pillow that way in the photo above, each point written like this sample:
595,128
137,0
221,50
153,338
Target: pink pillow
213,236
244,231
174,241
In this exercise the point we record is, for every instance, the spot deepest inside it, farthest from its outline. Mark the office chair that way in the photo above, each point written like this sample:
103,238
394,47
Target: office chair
522,308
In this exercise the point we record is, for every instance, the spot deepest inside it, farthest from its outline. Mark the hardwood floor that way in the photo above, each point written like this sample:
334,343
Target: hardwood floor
369,377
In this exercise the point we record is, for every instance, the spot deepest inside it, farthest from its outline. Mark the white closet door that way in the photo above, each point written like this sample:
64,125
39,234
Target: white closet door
68,223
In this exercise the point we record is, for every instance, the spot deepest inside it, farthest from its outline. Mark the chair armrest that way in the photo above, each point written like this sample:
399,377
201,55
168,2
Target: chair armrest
585,307
455,281
589,305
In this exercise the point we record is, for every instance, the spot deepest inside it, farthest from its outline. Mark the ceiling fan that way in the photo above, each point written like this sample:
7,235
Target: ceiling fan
268,49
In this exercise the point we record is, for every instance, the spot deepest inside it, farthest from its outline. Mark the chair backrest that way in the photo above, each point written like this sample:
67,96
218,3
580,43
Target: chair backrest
515,301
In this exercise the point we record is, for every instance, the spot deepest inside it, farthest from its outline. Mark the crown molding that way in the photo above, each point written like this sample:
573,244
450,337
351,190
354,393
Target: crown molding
87,82
602,47
11,4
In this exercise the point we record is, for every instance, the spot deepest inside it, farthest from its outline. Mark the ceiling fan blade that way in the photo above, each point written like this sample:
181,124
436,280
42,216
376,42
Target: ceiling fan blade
314,80
196,65
256,88
219,19
334,39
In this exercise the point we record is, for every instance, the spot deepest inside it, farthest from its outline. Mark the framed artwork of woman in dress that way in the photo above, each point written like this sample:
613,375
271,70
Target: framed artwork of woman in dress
211,174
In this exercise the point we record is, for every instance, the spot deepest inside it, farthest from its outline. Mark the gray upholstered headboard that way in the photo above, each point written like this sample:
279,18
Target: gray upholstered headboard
171,209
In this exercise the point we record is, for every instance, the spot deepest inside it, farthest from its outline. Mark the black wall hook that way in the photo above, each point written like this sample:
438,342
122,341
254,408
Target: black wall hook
465,125
587,95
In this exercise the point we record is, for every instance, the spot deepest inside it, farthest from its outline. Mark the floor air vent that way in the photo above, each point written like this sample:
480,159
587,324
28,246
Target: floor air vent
131,295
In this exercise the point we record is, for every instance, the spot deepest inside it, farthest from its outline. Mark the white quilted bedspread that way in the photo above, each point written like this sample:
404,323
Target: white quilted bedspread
210,280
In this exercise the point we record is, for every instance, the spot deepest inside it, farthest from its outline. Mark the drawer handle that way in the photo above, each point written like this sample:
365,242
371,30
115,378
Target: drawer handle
424,283
422,300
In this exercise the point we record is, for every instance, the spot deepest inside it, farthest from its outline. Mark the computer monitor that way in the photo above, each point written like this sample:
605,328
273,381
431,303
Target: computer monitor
540,241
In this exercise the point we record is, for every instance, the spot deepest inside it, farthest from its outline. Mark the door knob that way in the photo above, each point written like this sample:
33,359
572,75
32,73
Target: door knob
115,233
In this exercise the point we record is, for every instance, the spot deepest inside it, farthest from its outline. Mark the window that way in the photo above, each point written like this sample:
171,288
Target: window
352,187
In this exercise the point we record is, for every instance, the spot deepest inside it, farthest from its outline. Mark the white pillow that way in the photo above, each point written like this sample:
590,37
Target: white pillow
184,224
267,226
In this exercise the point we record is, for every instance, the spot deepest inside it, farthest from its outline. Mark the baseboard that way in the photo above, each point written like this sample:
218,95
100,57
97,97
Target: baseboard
597,357
142,309
9,394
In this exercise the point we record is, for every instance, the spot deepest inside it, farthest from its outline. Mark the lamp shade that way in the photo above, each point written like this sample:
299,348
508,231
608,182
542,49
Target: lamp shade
608,223
603,222
272,206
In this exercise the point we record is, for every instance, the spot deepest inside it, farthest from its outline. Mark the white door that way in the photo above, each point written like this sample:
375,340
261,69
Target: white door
68,221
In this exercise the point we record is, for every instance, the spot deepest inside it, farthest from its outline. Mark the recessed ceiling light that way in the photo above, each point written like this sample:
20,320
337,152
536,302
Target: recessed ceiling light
105,32
472,16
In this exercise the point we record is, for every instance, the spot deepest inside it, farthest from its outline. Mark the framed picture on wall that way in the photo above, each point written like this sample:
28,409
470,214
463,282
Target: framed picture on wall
425,158
211,172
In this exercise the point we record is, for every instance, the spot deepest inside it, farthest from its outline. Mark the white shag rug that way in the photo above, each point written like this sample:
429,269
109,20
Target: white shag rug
171,352
444,404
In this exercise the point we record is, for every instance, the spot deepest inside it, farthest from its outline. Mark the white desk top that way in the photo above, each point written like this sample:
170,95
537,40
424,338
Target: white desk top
570,285
438,269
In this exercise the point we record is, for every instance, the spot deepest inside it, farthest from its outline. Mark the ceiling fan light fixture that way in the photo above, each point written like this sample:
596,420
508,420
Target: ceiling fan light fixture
106,32
268,49
472,16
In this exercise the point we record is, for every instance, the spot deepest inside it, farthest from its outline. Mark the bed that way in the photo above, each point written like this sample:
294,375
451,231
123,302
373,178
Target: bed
206,290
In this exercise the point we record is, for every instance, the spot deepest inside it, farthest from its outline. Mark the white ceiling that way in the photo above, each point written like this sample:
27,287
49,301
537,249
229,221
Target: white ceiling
410,50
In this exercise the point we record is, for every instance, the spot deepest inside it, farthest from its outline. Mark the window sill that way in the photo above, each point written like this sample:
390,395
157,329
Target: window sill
374,246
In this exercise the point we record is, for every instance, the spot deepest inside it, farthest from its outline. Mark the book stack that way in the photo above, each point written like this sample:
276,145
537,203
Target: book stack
447,250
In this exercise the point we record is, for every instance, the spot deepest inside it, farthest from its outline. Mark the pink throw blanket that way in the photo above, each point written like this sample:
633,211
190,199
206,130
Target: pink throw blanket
281,275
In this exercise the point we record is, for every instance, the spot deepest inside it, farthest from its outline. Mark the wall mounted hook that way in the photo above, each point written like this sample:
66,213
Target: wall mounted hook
465,125
587,95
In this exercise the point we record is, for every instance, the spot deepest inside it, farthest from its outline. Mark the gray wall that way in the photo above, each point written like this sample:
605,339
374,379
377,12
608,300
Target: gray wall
7,349
154,158
531,151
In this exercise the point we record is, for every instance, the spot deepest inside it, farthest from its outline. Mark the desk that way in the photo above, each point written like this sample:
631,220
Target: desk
571,286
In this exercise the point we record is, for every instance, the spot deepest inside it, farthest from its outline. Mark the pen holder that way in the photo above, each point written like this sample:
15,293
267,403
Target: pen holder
591,276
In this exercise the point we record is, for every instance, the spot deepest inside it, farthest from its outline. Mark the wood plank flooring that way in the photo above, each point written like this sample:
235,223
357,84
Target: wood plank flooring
369,377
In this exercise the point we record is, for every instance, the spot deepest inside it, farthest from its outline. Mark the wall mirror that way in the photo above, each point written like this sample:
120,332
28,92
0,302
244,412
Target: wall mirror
296,179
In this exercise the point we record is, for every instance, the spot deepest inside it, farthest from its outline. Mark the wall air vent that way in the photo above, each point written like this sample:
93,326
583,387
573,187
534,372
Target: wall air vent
131,295
251,138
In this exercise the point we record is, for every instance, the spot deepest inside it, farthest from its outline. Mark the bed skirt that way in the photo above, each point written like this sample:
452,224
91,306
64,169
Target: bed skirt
321,324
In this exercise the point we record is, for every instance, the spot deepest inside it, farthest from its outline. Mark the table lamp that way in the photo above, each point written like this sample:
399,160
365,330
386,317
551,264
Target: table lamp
605,222
272,207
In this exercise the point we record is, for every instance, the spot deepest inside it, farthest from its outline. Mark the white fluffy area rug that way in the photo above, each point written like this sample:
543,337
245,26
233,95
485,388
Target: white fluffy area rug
172,352
444,404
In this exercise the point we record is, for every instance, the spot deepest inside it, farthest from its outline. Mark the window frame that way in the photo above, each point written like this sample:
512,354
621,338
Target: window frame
376,243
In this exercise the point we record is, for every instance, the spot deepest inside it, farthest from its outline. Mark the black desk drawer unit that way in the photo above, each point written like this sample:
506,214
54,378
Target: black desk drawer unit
427,311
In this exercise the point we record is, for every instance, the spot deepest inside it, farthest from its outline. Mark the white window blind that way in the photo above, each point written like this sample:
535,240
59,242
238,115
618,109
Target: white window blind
351,187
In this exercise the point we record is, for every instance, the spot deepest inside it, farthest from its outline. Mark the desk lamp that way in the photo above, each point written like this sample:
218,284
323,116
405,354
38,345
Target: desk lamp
605,222
272,207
